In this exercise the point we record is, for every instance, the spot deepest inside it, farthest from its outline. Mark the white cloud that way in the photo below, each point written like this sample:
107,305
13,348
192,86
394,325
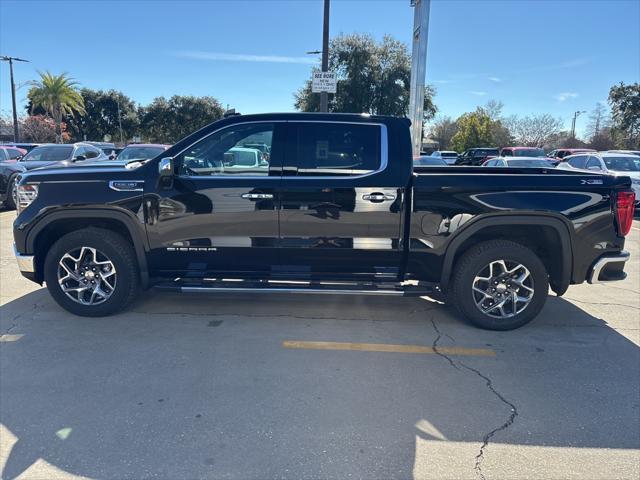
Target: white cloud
242,57
495,79
478,93
561,97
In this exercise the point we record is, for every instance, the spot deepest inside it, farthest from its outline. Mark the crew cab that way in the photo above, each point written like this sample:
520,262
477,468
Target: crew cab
336,207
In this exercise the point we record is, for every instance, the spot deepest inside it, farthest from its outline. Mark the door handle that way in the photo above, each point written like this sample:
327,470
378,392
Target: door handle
257,196
378,197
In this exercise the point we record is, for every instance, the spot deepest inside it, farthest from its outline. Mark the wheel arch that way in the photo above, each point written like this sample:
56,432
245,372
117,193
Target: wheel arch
549,236
52,226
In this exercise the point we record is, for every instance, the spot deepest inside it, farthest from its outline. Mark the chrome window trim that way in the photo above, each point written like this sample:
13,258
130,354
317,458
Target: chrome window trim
384,153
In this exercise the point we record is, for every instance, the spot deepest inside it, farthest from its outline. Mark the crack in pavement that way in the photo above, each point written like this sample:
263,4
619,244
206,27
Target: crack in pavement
514,411
14,320
504,426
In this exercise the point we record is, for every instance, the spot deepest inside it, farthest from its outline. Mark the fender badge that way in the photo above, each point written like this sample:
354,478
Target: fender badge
595,181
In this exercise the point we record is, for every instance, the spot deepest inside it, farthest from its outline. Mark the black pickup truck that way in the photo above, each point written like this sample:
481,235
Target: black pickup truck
318,203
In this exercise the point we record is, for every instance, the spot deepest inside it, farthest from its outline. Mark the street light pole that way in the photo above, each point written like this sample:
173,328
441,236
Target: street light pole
573,123
324,96
16,134
418,70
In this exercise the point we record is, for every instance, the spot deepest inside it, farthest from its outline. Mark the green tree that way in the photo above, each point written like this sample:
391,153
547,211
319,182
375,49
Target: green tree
104,112
474,130
58,96
625,112
167,121
372,78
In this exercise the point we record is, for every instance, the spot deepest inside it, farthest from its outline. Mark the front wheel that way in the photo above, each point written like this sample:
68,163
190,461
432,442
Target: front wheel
499,285
92,272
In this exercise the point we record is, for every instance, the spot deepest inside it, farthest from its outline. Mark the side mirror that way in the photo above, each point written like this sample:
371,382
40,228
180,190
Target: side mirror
79,158
594,167
165,167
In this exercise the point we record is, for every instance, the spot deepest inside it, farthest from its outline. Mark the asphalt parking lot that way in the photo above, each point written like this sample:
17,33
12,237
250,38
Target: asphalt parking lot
230,387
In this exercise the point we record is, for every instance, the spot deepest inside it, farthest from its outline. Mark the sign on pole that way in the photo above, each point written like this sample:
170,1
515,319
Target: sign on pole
323,82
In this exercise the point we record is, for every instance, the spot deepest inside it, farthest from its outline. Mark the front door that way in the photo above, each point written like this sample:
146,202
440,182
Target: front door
220,216
338,217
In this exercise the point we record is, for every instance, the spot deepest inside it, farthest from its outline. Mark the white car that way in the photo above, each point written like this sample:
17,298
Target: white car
448,156
607,162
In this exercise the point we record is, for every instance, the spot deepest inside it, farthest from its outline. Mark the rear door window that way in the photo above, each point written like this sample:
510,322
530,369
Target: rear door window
333,149
579,161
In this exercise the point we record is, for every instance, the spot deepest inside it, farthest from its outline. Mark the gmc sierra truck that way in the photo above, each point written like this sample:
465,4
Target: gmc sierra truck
318,203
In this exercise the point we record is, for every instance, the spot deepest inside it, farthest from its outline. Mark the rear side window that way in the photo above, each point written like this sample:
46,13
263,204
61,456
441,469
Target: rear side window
333,149
579,161
506,152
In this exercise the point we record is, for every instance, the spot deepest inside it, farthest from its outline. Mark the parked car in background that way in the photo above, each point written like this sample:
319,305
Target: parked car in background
24,146
608,162
107,148
629,152
520,162
560,153
11,153
448,156
41,156
429,161
141,151
476,156
522,152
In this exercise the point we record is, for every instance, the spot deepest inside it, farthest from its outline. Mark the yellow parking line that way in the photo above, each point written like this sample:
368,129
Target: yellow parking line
387,347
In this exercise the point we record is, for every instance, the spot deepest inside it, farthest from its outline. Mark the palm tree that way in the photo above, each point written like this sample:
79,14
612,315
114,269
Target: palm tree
58,95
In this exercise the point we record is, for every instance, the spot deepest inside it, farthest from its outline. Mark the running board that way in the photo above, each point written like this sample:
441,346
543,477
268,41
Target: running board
316,288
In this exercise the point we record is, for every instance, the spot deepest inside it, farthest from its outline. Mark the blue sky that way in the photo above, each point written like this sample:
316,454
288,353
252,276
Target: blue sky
535,56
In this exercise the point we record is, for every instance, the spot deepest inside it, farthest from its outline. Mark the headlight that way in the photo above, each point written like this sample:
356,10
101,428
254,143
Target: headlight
26,194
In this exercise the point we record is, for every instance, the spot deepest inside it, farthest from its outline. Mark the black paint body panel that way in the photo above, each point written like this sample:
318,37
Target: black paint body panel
323,228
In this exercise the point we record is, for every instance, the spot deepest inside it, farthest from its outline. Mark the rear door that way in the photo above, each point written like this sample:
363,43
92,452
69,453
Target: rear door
220,216
339,216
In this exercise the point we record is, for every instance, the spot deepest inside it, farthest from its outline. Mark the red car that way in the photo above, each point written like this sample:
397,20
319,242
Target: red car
522,152
11,154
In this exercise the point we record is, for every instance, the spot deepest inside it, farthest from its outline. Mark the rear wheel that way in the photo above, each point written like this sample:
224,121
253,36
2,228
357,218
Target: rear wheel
499,285
92,272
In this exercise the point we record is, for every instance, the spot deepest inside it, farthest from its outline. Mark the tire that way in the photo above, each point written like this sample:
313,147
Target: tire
114,271
10,201
496,284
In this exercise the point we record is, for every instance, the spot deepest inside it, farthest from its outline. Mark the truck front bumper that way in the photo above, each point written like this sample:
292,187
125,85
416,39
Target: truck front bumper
609,268
26,264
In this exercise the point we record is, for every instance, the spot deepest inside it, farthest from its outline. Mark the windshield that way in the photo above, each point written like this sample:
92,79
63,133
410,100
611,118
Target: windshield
49,154
622,164
137,153
530,163
529,152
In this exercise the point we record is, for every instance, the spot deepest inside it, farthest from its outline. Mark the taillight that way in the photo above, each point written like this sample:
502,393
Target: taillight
624,211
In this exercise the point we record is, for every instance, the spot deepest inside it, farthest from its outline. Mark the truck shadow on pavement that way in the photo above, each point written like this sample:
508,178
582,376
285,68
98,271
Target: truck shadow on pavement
193,387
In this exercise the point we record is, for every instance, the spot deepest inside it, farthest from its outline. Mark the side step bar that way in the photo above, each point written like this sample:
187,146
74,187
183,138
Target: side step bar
315,288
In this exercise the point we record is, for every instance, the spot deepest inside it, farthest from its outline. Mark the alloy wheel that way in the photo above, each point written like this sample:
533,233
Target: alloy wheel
87,276
503,289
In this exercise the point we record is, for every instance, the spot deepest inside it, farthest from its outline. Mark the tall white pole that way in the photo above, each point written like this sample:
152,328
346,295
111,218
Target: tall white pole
418,70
